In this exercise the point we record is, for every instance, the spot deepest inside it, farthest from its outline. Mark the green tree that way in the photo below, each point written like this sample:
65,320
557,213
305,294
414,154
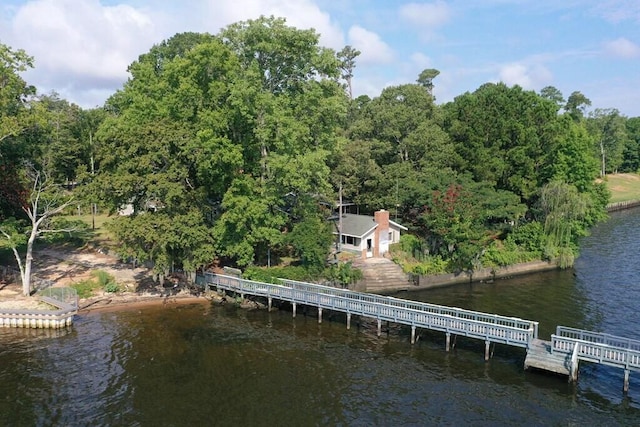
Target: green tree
564,208
162,144
14,92
609,130
504,136
631,156
576,105
347,57
553,94
426,79
311,238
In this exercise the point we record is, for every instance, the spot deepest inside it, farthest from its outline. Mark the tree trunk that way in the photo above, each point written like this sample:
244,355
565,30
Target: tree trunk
28,260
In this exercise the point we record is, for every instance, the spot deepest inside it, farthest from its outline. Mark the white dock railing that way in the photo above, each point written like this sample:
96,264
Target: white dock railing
488,327
598,347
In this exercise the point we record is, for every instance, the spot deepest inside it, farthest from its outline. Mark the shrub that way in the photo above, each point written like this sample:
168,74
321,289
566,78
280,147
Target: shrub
112,287
85,288
100,280
343,274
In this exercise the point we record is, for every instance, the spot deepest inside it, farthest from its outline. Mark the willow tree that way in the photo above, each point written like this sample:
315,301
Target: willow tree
564,209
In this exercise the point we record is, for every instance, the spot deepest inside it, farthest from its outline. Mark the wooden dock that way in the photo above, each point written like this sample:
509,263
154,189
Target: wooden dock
561,355
540,356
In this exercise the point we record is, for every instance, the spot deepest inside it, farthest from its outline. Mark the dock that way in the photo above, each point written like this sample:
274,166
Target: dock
561,355
539,356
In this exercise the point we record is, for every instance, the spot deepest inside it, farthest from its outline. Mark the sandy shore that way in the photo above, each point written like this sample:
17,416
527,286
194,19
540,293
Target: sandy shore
11,298
135,301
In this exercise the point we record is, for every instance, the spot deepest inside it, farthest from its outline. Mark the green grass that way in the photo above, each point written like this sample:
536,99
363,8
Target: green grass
100,280
624,187
100,236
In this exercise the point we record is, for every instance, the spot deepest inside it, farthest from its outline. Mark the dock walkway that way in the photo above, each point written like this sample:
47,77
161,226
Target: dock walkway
561,355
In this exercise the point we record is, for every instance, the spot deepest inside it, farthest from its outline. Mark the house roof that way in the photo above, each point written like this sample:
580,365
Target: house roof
357,225
360,225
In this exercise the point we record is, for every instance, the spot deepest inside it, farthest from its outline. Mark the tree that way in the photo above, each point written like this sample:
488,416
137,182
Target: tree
631,156
14,92
505,135
14,96
234,125
426,79
572,159
347,57
576,105
608,128
44,203
553,94
564,208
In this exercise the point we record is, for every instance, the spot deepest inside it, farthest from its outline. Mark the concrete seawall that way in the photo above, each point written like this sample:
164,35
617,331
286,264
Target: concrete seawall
484,274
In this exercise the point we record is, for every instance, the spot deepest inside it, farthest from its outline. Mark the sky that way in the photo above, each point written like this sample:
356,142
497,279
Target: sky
82,48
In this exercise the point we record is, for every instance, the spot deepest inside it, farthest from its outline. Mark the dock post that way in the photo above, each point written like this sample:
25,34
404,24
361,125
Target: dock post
319,314
348,320
574,364
294,310
448,341
625,386
413,334
379,327
487,344
270,302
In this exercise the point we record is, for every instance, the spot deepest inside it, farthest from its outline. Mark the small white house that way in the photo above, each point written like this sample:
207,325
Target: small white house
369,235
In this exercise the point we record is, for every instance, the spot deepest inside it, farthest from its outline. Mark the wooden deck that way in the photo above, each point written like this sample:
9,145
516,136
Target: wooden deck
561,355
539,356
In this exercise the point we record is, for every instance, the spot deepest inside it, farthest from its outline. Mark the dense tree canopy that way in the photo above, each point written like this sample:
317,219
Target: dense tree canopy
231,146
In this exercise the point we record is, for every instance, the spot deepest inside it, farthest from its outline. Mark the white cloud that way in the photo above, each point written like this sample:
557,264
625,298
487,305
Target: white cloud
420,61
429,15
301,14
528,77
82,48
83,37
622,48
618,10
373,49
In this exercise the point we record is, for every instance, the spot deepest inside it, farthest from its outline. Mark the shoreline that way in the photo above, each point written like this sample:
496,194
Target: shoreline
134,301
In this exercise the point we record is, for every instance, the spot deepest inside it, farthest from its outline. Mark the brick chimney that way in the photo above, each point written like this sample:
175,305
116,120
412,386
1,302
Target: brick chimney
381,243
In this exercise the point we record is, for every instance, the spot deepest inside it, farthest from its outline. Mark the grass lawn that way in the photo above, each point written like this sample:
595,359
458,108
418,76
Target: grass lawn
624,187
100,235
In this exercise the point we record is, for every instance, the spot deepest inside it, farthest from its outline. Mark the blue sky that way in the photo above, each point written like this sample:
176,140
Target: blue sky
82,47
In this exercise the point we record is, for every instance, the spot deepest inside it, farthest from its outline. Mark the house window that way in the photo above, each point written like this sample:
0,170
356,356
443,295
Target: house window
349,240
391,237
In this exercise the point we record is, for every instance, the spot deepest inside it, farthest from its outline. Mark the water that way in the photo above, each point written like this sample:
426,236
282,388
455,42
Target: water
200,364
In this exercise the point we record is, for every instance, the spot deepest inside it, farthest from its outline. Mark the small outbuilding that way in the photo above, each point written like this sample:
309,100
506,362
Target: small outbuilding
368,235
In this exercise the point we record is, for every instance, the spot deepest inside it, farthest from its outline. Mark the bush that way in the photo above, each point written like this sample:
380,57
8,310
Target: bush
431,265
112,288
343,274
85,288
100,280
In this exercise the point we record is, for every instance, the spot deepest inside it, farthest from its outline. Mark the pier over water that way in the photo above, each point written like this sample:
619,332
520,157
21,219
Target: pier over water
561,355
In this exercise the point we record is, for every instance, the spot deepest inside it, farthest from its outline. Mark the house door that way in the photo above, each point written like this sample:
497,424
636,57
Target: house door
369,248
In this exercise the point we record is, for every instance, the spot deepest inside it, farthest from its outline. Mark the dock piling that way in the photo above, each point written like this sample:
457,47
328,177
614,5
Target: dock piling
625,386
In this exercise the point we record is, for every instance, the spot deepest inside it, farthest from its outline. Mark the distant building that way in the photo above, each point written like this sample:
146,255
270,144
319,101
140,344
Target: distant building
369,235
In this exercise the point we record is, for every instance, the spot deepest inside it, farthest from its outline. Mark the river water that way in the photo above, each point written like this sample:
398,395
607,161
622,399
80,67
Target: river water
202,364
